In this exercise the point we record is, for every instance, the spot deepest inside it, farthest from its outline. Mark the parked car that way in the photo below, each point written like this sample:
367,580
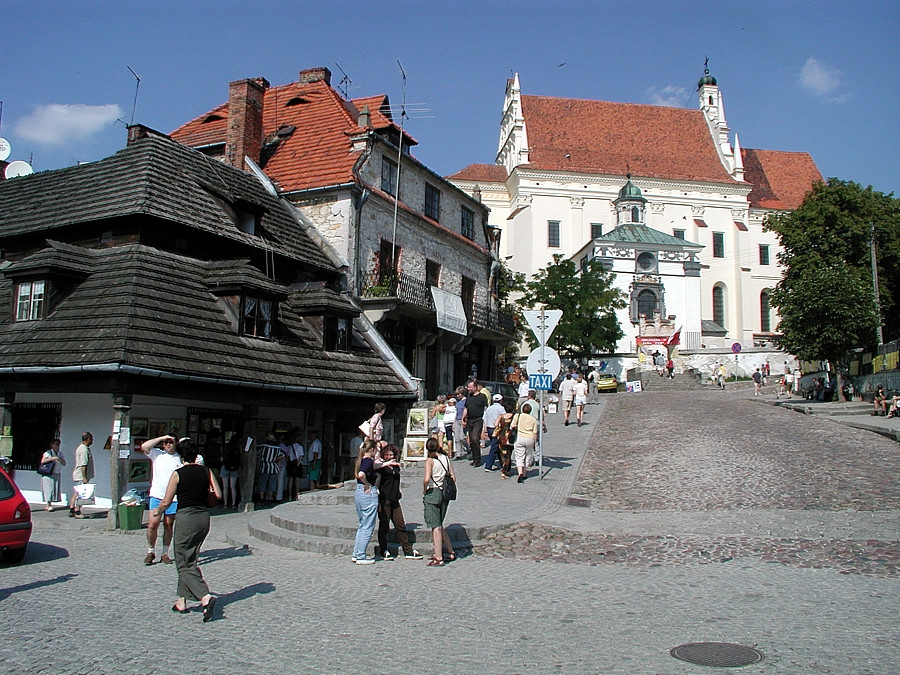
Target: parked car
506,390
15,520
607,382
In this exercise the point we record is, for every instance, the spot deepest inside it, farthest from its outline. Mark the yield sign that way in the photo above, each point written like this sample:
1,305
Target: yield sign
542,322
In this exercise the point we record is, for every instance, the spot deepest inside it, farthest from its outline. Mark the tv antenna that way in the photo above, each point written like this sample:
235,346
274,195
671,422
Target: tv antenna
137,86
399,158
344,84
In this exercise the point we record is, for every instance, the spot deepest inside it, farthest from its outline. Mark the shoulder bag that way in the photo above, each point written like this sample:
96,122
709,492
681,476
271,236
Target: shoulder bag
513,433
449,488
45,468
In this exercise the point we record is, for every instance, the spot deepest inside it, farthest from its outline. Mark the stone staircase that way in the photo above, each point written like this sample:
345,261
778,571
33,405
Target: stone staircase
688,380
325,521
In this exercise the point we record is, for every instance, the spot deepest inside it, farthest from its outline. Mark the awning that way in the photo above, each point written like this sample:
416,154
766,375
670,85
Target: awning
699,222
450,313
740,226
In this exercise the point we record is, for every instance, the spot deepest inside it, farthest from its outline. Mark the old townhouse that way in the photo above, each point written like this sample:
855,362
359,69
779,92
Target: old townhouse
422,256
160,291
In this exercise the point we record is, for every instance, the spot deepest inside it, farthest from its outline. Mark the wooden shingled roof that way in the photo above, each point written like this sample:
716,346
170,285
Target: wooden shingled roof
142,310
155,177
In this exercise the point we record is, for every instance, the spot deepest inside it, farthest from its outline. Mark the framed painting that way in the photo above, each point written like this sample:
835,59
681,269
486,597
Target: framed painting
414,449
175,428
157,428
139,471
139,427
418,421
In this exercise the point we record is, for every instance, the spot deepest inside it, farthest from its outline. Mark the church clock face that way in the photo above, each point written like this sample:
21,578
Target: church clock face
646,262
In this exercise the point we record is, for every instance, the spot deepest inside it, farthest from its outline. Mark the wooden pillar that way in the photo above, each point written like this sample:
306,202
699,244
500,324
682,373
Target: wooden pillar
248,459
118,464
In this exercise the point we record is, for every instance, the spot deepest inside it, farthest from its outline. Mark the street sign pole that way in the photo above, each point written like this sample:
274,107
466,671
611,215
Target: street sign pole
541,411
542,324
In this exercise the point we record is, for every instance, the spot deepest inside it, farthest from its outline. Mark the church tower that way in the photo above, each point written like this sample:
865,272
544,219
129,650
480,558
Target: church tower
630,205
713,108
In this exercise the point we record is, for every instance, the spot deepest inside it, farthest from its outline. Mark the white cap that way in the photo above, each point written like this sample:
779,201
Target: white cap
498,397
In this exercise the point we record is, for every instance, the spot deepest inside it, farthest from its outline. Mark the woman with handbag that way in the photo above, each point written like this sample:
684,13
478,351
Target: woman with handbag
526,428
196,487
366,500
50,469
437,468
504,440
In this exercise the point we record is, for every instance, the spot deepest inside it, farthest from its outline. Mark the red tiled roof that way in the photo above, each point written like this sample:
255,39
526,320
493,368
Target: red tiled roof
780,179
319,152
489,173
566,134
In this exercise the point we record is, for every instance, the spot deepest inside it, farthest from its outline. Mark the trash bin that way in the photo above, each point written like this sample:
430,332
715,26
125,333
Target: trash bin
130,516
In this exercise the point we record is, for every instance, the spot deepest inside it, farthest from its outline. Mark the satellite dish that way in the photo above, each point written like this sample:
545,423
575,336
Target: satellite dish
18,168
5,149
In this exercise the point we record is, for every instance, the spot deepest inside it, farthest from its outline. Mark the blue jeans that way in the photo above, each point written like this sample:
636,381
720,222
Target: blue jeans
492,455
366,511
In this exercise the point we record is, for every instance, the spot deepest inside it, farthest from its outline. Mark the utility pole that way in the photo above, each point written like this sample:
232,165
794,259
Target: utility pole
875,281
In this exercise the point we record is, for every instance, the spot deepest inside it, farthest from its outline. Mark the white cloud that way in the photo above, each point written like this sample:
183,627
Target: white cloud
821,80
57,124
674,97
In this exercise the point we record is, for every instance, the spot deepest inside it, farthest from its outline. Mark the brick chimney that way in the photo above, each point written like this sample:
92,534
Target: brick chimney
315,75
244,135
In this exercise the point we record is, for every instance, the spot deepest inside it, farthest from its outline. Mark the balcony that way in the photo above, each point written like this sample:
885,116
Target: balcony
484,317
400,287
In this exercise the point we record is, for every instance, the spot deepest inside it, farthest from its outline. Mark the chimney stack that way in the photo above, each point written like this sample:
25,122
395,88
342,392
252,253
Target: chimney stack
244,135
315,75
365,118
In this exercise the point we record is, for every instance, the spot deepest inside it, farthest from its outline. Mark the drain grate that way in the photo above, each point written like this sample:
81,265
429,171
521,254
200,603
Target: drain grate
718,654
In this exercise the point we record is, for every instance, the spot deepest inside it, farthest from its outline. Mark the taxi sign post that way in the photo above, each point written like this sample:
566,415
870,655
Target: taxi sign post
543,364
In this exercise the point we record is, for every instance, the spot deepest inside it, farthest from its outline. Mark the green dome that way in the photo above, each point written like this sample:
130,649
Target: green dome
631,191
707,79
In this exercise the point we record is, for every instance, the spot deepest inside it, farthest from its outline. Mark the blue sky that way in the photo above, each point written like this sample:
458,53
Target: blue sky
820,77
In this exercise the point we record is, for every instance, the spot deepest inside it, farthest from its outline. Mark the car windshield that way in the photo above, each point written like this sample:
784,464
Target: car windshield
6,487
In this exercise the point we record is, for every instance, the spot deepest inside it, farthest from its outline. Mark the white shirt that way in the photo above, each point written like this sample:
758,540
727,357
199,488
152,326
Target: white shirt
523,389
164,466
580,388
492,414
315,451
567,389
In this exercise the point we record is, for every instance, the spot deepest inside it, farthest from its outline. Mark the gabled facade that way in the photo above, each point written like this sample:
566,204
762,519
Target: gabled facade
401,229
159,291
561,163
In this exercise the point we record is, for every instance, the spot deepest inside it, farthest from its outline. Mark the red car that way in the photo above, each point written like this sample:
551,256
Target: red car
15,520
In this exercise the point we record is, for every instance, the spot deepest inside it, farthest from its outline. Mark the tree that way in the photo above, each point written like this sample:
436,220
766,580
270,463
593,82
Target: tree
826,298
588,302
510,282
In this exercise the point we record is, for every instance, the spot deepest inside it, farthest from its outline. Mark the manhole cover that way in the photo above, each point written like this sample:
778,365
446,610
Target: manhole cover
718,654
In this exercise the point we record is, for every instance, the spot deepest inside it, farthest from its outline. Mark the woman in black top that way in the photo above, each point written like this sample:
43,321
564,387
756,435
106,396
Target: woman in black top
389,506
190,483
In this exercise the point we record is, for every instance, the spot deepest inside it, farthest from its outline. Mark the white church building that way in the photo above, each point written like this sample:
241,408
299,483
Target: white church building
666,197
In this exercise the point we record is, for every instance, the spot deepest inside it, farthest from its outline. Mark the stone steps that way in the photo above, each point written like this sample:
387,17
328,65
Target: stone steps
325,521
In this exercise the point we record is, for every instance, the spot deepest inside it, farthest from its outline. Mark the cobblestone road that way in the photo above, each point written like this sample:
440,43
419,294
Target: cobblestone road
721,520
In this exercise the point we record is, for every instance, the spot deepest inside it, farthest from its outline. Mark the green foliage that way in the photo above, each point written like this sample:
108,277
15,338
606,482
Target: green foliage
510,282
825,298
588,302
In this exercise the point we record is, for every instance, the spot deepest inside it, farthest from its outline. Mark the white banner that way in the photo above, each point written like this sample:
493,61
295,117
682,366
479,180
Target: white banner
450,313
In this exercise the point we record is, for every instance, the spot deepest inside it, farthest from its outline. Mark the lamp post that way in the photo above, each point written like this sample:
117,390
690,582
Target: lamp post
875,282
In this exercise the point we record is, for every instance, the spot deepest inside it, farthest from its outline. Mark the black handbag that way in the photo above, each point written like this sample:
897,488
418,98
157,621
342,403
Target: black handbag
45,468
513,432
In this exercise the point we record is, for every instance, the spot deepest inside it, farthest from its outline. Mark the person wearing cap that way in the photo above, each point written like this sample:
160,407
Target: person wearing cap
165,460
491,415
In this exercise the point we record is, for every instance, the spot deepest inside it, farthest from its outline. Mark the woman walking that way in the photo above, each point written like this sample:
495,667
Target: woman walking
526,437
50,484
437,466
504,447
366,499
191,483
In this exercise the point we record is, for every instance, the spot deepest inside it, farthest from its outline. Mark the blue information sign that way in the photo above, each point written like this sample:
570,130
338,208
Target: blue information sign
540,382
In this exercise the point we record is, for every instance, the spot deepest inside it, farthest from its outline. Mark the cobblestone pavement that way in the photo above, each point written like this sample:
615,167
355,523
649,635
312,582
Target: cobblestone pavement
714,477
720,520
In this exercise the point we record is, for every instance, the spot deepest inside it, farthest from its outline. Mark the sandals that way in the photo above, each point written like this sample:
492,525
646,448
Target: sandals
434,562
450,557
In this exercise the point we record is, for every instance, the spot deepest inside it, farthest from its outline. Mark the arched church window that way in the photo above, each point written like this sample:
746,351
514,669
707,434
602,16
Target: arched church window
719,305
646,303
635,214
710,99
765,312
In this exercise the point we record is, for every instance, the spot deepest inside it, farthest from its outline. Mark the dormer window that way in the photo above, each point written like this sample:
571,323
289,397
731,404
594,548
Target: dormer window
337,334
257,317
30,300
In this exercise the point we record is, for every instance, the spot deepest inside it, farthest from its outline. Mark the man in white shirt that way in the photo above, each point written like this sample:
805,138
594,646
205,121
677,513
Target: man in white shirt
567,394
314,459
491,415
164,458
523,391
